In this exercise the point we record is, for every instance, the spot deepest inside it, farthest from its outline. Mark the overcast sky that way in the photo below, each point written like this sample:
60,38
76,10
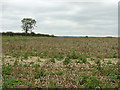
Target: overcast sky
58,17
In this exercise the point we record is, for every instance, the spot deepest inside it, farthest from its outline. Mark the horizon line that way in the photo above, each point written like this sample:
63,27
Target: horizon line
71,35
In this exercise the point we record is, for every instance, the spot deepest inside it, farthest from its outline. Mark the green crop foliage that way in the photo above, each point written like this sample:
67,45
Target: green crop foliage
109,62
90,82
52,84
93,82
26,55
66,61
38,60
39,73
7,69
74,56
59,72
47,62
83,59
52,60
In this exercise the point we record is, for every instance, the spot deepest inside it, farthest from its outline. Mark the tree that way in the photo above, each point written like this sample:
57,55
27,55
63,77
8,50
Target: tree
28,24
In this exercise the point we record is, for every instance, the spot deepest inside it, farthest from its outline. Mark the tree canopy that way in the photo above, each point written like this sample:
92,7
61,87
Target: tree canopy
28,24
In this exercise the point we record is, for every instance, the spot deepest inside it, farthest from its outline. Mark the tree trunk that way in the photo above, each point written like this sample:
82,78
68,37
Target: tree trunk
26,31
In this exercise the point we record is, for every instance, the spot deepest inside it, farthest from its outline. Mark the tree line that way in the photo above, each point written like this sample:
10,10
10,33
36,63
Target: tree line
25,34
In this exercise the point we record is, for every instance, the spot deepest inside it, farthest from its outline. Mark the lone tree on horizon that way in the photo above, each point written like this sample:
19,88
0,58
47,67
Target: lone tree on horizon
28,24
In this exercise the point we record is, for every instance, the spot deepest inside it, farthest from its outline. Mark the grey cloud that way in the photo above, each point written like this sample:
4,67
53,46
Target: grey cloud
62,18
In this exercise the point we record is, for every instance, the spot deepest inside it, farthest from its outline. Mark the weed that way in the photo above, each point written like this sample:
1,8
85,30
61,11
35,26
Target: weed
98,64
38,60
16,62
39,73
114,55
94,72
92,59
25,65
26,55
3,58
11,60
113,47
42,72
21,59
71,71
10,82
93,66
45,53
78,61
68,55
74,56
93,82
83,79
66,61
60,56
32,62
90,82
7,70
26,73
52,60
18,54
55,56
52,84
41,55
59,72
109,62
36,65
82,58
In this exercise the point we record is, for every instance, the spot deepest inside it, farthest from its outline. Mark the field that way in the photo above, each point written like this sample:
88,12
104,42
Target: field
58,62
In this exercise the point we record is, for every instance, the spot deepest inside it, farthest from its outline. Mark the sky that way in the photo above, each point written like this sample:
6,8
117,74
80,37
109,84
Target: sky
62,17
